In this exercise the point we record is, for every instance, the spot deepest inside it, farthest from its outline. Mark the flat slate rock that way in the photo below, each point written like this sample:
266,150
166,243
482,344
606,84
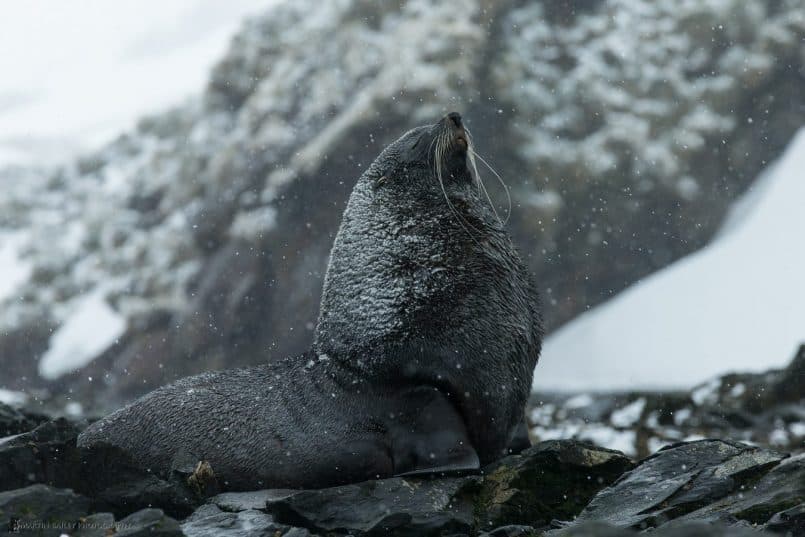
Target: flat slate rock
96,525
210,521
148,522
242,501
394,506
41,510
699,479
775,500
689,529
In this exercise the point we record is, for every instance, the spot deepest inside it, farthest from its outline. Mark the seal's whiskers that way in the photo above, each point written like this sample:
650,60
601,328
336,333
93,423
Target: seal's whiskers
473,154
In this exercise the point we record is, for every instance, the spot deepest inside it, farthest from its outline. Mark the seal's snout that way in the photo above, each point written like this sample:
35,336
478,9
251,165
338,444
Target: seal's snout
453,121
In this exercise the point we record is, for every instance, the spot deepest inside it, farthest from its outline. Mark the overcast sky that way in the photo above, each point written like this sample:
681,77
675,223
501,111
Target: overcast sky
73,74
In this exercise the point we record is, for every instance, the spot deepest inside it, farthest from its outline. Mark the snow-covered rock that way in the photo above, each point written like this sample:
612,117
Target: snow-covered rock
736,305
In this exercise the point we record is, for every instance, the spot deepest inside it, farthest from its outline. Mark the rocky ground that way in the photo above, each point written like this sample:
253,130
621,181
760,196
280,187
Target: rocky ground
562,487
763,409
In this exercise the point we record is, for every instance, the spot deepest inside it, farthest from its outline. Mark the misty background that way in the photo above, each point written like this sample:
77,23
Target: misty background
172,177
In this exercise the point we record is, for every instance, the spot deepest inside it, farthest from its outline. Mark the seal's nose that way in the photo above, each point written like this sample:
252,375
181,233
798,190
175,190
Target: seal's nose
455,117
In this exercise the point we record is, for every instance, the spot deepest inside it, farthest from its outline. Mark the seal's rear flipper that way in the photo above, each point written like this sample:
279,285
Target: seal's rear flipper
467,463
519,440
430,437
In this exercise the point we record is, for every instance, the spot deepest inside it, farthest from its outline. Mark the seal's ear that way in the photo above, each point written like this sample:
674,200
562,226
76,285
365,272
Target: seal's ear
430,438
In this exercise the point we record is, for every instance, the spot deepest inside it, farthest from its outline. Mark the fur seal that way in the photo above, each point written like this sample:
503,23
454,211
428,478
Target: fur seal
423,274
422,360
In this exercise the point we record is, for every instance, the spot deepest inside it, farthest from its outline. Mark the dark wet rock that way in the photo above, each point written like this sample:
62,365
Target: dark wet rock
394,506
14,421
148,522
698,479
40,509
553,479
45,455
210,521
120,485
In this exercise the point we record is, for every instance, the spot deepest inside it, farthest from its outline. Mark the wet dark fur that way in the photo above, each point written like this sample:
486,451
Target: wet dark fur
428,336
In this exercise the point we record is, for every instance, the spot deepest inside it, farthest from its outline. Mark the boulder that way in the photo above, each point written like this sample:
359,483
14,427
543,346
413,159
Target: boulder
47,454
553,479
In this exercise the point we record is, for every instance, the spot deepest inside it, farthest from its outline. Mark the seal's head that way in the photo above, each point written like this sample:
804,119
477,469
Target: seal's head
438,154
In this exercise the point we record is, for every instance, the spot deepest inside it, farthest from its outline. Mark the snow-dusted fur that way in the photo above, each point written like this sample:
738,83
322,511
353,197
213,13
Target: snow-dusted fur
425,284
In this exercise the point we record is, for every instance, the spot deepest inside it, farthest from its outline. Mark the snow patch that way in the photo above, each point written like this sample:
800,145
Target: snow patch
12,398
681,416
92,328
797,429
610,438
733,306
628,415
14,270
706,393
579,401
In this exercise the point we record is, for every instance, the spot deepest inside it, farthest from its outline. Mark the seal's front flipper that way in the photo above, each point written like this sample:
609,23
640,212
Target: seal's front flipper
430,436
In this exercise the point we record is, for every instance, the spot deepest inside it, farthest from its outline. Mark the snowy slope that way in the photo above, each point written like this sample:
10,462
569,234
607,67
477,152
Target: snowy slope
89,330
80,73
736,305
